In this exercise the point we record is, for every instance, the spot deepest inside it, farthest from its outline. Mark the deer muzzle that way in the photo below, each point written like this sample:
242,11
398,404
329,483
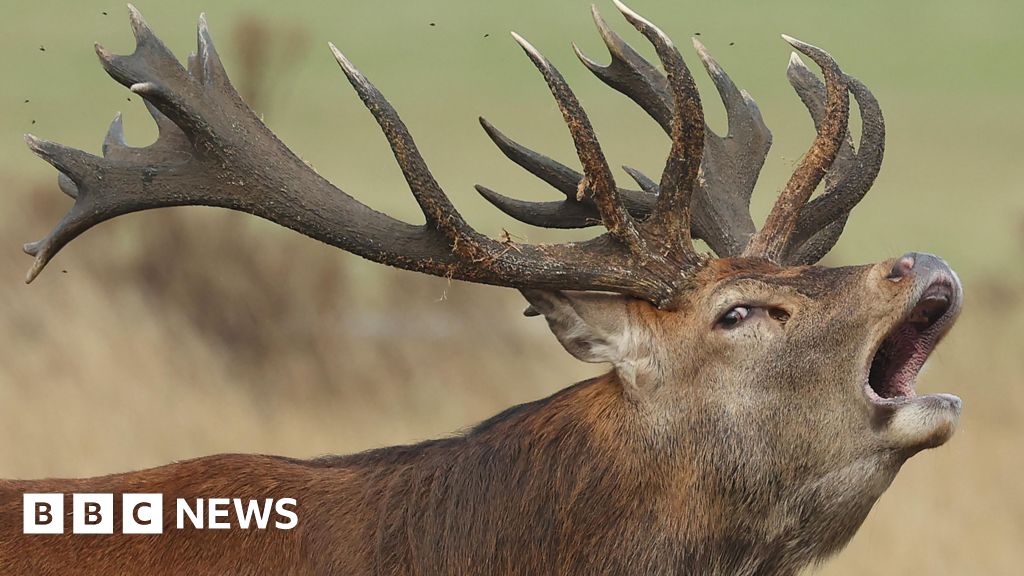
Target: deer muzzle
934,297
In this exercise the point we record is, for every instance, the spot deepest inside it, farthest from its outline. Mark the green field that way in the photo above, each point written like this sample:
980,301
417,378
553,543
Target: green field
179,333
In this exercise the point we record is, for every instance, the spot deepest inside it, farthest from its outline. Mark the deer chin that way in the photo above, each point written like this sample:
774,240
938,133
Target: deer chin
909,420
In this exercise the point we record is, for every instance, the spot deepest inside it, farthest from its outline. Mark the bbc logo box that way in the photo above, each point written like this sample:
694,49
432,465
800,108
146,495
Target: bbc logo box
92,513
43,513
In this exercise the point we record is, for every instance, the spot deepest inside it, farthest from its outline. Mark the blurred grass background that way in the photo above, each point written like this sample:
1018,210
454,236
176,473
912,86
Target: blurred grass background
184,332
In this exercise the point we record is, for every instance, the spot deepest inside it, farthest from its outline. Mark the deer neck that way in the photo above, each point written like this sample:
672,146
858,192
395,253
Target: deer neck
568,484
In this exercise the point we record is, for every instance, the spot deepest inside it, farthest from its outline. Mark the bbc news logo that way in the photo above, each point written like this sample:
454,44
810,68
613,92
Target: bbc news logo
143,513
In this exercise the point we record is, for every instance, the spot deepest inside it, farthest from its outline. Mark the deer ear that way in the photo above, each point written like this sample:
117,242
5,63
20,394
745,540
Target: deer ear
593,327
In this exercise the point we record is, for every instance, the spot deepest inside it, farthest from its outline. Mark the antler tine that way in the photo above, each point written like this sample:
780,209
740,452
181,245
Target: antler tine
731,166
115,136
672,211
597,176
152,70
817,246
206,65
850,177
809,88
70,163
558,175
771,241
742,114
869,154
646,184
433,202
720,207
631,74
566,214
570,213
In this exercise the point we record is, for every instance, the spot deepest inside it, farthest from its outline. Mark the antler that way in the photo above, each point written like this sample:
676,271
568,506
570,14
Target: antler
721,198
731,163
771,240
212,150
822,220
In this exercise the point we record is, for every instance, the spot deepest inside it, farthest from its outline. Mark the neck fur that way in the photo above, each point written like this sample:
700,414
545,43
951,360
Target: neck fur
572,483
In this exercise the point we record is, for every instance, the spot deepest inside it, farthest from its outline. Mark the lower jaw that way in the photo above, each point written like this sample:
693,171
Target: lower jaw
914,423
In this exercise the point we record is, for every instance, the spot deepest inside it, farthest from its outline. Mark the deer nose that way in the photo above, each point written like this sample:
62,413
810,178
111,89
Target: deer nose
917,263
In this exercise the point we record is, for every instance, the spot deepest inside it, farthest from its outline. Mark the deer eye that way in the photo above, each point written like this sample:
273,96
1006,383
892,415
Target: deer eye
733,317
779,315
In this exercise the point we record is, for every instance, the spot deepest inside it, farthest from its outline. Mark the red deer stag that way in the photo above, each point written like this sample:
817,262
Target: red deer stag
758,406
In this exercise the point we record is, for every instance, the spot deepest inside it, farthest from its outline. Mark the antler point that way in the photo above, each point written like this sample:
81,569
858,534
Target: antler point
602,26
37,146
143,88
795,61
115,133
33,249
345,63
590,64
709,62
532,52
204,27
630,14
37,267
350,70
798,44
138,22
622,7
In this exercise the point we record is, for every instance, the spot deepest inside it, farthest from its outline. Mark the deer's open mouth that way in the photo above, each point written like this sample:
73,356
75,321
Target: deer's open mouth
903,352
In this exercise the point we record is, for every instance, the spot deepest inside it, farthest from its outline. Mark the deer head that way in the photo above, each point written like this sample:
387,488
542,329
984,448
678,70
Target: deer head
775,390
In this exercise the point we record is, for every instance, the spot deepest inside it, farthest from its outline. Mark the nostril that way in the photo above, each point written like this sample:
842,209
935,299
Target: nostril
901,268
